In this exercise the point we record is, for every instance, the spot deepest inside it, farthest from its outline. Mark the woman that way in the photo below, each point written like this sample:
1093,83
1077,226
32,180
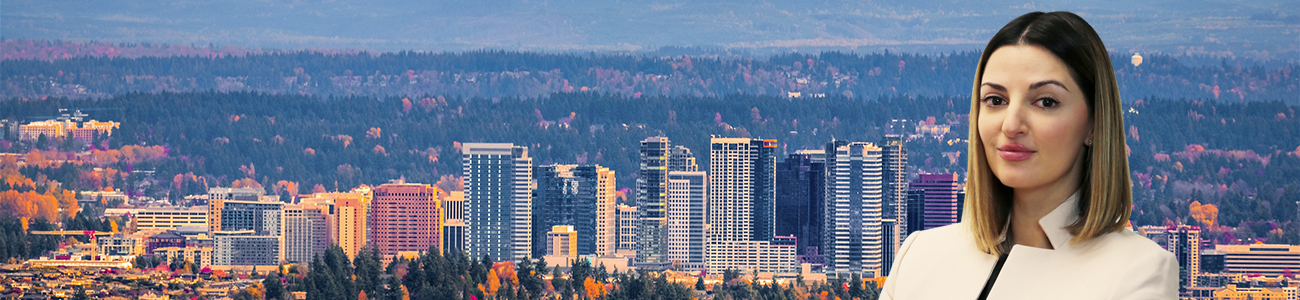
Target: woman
1048,192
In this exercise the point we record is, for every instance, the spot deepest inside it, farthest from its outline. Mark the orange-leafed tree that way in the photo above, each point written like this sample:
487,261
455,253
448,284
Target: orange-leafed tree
506,271
36,158
67,202
246,183
493,283
1207,214
593,288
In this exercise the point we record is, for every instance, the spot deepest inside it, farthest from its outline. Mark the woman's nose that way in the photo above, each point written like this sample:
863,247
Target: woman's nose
1013,120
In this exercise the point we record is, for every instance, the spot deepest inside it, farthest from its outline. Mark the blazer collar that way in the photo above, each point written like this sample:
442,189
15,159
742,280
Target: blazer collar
1055,222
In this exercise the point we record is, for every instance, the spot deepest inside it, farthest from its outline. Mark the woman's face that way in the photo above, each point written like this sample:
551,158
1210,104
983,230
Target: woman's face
1033,118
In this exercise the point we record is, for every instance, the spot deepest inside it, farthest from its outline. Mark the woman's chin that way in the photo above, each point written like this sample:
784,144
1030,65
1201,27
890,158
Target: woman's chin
1021,180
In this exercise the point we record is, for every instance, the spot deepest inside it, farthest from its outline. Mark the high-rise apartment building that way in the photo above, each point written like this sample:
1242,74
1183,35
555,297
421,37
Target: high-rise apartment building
742,192
498,200
894,206
853,240
405,217
1185,242
606,212
687,222
652,204
742,189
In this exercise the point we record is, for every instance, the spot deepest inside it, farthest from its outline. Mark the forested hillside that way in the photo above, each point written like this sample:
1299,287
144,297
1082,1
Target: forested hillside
502,74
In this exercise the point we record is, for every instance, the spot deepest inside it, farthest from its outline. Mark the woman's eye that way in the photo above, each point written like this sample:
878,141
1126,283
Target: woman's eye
1048,102
995,100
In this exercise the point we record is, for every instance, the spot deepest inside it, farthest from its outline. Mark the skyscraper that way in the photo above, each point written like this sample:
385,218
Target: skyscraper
800,182
687,225
934,200
1185,242
652,204
894,156
351,222
498,200
853,241
741,211
406,217
568,195
606,211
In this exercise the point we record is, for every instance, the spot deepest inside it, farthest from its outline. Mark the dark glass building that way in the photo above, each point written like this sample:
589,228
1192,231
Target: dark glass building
565,195
800,185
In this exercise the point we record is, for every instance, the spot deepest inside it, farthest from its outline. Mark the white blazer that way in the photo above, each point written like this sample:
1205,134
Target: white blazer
944,263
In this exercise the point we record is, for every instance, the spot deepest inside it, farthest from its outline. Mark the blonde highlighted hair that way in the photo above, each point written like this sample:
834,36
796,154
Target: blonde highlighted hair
1106,198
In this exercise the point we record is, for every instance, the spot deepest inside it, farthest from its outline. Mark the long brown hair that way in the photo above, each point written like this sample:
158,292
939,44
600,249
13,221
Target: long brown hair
1105,202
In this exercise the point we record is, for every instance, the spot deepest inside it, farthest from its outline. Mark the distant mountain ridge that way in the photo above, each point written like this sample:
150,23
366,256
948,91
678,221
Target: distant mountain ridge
1247,29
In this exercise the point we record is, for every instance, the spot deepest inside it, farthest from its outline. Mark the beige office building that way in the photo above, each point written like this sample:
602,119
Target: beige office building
170,217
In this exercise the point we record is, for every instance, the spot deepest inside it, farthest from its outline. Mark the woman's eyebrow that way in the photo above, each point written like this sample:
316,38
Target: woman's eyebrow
995,86
1047,82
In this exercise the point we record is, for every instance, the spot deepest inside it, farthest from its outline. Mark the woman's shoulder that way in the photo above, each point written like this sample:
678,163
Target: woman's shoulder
950,241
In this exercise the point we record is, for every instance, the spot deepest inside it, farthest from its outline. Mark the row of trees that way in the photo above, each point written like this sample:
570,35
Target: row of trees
457,276
16,245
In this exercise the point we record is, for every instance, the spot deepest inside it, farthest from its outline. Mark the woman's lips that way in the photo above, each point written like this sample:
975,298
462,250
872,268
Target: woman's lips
1015,152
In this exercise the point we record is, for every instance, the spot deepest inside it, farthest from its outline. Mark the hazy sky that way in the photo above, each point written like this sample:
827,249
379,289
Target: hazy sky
1256,29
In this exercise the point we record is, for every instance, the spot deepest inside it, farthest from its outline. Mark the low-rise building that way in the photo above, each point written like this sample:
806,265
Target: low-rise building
163,240
244,248
1263,259
120,244
201,256
170,217
1232,292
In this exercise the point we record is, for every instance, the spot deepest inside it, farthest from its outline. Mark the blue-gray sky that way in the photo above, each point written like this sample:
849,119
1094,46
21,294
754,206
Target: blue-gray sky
1248,29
